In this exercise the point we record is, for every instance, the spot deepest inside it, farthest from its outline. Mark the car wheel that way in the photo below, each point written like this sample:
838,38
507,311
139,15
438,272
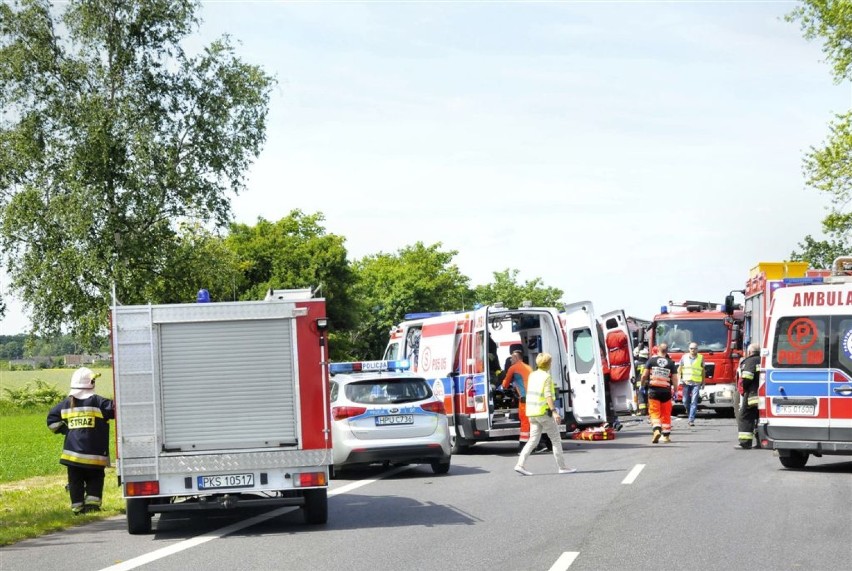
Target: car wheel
441,467
138,517
316,506
796,459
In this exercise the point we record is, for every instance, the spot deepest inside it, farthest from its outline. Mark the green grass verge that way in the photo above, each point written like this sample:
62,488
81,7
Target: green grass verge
61,378
36,506
32,482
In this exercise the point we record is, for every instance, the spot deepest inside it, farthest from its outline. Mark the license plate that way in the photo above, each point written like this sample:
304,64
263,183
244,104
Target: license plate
225,481
795,409
395,419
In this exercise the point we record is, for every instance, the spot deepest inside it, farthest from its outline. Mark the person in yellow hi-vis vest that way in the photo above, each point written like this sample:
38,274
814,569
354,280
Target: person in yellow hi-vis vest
690,371
543,415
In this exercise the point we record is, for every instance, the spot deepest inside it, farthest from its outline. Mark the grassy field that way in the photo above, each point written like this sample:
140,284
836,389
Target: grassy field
32,482
61,378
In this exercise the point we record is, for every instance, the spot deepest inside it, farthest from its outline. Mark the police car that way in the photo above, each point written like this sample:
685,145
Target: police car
381,413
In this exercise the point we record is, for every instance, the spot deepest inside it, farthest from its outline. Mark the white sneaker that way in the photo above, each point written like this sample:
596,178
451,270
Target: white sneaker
523,471
568,471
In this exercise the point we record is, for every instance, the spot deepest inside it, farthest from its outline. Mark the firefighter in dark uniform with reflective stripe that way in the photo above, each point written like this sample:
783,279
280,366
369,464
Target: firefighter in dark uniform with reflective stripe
83,417
749,376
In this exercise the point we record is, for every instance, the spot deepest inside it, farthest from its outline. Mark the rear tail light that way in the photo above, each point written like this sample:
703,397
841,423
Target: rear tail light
342,412
309,479
150,488
437,407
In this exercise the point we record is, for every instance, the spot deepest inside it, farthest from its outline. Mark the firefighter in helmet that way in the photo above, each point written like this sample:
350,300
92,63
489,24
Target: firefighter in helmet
749,377
83,418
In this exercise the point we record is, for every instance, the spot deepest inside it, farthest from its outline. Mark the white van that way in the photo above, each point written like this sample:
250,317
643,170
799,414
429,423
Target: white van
806,380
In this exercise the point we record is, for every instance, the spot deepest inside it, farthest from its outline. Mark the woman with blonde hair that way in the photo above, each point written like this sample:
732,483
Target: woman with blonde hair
543,415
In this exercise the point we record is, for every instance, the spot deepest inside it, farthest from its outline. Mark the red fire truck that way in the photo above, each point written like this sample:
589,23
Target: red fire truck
717,331
222,405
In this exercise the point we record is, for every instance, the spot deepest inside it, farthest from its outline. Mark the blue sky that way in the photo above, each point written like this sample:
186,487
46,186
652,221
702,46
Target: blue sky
626,153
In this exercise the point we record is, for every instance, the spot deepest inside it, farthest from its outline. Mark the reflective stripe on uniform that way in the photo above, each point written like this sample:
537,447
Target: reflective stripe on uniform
87,459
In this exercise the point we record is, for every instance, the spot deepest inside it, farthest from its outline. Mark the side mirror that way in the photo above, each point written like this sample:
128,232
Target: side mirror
729,304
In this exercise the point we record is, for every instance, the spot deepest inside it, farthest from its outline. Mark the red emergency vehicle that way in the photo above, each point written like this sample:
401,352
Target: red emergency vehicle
222,405
805,385
717,331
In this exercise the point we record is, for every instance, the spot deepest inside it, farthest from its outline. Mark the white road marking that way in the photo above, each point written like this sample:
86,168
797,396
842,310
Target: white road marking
634,473
201,539
565,560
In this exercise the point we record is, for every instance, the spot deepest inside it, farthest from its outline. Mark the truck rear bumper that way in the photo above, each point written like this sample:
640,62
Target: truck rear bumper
226,502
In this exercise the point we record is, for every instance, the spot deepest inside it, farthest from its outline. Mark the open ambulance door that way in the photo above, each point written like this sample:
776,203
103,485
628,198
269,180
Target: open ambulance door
583,364
437,359
622,371
480,386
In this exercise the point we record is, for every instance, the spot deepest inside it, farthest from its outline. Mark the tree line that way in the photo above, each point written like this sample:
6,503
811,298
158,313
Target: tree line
120,153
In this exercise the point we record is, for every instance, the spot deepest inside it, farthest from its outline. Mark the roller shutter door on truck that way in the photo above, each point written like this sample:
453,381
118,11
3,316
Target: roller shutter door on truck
212,400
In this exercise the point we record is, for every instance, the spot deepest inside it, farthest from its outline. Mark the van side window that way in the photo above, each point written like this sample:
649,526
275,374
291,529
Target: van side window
840,356
801,341
584,356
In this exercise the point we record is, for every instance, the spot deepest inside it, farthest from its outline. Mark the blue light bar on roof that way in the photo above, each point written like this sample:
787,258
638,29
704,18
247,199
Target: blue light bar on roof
369,366
422,315
803,281
664,309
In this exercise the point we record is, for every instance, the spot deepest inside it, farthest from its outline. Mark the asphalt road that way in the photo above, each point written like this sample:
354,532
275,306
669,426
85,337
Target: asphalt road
697,503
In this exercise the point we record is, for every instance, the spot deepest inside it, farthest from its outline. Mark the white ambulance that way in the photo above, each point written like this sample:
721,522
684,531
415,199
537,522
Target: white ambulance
451,350
806,380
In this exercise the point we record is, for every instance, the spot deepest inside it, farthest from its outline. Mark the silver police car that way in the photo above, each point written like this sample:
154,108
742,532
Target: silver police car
382,413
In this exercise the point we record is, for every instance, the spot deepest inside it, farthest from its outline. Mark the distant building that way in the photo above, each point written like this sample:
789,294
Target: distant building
80,360
32,362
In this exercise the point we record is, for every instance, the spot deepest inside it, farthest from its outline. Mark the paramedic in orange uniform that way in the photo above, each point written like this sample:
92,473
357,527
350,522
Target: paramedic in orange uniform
660,378
516,377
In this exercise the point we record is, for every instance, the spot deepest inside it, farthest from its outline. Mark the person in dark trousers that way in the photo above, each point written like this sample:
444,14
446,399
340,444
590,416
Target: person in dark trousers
83,417
749,374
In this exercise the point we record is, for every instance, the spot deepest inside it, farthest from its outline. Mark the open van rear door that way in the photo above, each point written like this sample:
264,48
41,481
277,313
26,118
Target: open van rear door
584,363
437,357
621,391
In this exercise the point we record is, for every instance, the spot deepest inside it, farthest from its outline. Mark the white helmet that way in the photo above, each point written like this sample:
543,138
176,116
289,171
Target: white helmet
83,383
643,352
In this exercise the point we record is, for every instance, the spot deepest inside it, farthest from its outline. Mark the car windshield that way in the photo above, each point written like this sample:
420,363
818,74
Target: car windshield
388,391
709,334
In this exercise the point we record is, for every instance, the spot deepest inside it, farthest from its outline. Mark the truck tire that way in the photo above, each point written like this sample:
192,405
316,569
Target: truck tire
316,506
794,460
459,445
441,466
138,517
